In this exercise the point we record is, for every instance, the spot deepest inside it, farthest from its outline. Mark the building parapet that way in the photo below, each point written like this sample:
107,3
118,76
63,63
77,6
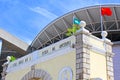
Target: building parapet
45,53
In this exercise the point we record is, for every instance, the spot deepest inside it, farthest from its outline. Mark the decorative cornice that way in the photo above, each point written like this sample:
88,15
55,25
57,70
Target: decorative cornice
88,46
82,31
60,52
110,54
107,41
98,50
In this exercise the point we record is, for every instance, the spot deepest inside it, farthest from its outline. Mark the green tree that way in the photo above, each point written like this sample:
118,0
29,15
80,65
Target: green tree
71,31
12,58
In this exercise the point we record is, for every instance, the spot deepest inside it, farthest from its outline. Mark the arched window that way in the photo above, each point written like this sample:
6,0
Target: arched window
37,74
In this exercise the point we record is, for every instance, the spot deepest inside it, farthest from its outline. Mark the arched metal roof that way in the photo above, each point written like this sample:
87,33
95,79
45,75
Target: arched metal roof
56,30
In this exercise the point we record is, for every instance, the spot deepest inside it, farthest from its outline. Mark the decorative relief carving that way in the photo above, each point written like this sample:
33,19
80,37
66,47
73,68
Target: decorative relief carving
66,74
37,74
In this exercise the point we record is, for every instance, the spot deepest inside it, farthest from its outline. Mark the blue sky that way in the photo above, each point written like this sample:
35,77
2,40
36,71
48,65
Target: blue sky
25,18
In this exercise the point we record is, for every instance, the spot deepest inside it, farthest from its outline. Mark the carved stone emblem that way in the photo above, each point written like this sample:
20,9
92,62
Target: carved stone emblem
66,74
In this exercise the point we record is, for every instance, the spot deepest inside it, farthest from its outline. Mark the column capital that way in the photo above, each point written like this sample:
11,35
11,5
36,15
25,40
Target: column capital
82,29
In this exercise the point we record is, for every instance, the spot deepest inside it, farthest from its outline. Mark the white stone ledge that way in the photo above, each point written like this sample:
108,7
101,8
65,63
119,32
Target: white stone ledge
98,50
39,60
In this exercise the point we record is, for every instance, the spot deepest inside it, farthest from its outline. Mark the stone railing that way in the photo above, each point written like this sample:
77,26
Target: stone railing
33,57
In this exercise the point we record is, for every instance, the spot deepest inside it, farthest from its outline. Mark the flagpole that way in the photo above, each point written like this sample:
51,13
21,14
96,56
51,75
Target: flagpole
101,18
73,19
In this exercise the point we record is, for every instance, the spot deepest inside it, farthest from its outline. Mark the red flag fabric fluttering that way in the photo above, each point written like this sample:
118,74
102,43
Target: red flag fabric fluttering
106,11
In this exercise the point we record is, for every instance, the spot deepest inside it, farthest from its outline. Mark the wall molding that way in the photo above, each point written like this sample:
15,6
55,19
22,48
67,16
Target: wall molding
57,53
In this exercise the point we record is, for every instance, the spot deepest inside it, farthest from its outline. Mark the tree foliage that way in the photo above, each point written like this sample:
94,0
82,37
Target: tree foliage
71,31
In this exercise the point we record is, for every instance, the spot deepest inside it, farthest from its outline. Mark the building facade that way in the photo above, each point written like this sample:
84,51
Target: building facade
54,33
78,57
10,46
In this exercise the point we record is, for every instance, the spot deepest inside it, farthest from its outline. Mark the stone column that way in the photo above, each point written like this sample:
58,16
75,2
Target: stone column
4,71
5,66
110,72
82,54
109,56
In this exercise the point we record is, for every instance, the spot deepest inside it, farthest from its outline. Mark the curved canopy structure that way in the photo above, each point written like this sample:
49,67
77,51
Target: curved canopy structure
56,30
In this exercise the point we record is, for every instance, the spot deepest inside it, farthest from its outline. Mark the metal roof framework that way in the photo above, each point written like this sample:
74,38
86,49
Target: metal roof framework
56,30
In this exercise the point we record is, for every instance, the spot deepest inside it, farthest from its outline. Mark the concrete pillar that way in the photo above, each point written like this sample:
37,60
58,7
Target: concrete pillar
4,73
82,54
109,56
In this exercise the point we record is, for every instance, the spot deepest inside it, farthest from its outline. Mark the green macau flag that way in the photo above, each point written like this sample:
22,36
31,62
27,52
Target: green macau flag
75,27
76,21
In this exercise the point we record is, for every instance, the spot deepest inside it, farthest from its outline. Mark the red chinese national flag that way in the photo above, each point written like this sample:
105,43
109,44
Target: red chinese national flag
106,11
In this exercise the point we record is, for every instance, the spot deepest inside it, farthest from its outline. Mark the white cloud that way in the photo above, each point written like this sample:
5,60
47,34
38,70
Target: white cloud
74,4
24,39
44,12
27,40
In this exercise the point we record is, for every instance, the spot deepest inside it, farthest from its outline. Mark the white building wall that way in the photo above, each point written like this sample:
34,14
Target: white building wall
116,60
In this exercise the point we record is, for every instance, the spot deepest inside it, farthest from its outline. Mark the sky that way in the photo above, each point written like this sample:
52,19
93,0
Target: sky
26,18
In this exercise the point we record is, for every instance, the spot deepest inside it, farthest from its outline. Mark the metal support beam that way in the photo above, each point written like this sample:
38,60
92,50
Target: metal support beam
111,26
56,31
39,42
90,19
62,36
47,36
41,45
65,23
47,43
4,51
57,27
115,15
74,14
99,27
89,28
